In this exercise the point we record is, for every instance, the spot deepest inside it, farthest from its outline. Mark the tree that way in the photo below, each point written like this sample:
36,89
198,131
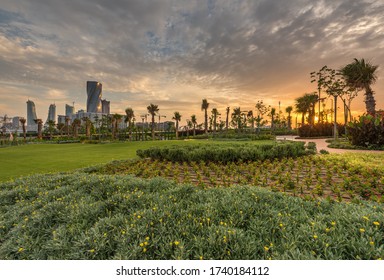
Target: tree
116,119
23,121
39,128
177,118
272,114
261,110
204,107
361,75
88,125
237,118
288,110
51,128
251,120
67,121
129,115
152,110
215,113
75,125
306,104
194,122
60,127
189,126
226,119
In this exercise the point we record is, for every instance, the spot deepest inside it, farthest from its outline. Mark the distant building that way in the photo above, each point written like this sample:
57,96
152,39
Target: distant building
16,122
69,110
61,119
31,116
94,93
51,113
105,106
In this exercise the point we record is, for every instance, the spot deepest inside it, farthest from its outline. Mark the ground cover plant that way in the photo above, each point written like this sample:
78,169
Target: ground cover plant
93,216
340,178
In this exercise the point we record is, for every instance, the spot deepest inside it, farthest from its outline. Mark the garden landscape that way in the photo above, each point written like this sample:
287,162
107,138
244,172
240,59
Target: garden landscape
233,130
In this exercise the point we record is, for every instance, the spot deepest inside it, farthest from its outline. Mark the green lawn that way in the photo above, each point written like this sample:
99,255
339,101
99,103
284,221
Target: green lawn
45,158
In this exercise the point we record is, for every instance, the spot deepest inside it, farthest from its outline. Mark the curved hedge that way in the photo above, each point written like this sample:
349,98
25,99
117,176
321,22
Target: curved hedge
227,153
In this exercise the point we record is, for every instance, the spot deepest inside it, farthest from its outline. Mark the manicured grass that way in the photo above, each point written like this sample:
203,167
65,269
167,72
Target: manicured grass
46,158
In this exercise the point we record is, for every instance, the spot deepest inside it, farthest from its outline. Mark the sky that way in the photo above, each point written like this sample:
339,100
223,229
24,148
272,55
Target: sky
174,53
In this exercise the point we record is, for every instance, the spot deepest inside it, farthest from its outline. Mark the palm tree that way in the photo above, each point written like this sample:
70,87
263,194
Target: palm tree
204,107
177,118
129,115
272,114
67,120
251,120
215,113
189,126
288,110
60,127
88,125
152,110
236,118
75,125
226,119
51,127
361,75
39,128
116,119
301,107
23,121
194,122
306,104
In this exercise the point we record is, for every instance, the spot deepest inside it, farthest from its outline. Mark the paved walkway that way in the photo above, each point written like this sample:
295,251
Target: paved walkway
322,145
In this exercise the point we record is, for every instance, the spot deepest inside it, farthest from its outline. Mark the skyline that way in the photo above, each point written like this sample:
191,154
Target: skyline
176,53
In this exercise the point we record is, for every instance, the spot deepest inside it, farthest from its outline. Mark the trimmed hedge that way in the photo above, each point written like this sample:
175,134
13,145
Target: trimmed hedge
228,153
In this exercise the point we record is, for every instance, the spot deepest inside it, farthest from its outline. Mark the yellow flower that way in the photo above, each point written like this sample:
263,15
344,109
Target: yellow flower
266,248
333,223
365,218
141,244
144,250
371,243
201,257
376,223
92,250
176,243
280,225
327,230
362,230
147,238
21,249
315,236
145,243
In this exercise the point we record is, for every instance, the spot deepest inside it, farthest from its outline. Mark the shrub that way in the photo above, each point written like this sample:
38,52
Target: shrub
319,130
227,153
367,131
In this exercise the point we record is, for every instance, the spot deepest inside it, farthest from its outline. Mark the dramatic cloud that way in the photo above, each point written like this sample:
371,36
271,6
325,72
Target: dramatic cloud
175,53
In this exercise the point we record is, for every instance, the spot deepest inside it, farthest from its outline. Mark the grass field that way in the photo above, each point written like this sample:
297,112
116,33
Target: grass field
47,158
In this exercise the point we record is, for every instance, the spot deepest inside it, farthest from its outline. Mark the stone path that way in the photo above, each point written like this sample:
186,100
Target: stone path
322,145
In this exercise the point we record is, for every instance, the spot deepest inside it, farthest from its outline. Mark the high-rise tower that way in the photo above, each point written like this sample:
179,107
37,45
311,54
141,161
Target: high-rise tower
105,106
69,110
51,113
94,91
31,113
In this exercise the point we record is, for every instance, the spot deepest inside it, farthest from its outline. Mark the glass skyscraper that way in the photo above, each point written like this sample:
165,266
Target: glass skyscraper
94,91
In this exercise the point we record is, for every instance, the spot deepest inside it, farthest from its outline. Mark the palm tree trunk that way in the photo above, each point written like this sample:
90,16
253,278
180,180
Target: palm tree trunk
153,127
206,121
370,103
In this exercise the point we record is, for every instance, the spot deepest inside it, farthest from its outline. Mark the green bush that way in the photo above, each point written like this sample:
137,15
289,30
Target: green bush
367,131
226,153
320,130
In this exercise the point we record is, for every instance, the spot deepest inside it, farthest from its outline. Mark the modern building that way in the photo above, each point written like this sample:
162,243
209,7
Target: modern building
94,93
51,113
105,106
31,116
61,119
69,110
